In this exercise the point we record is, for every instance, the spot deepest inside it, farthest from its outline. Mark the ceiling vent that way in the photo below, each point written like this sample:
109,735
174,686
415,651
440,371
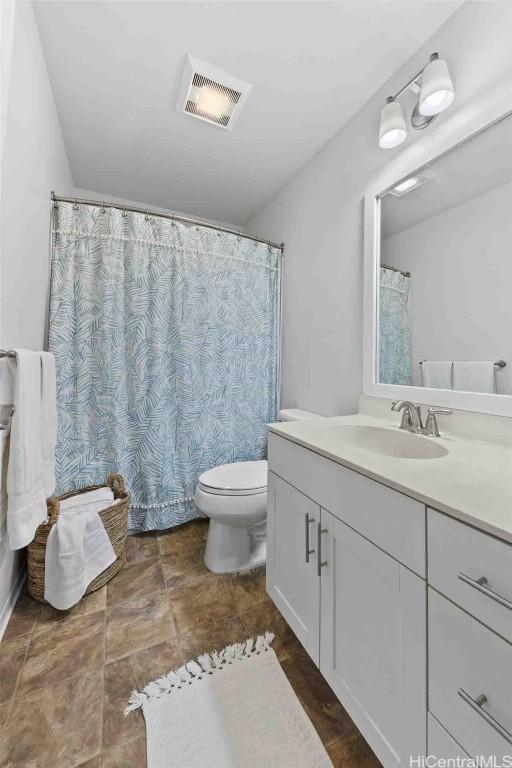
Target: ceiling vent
210,94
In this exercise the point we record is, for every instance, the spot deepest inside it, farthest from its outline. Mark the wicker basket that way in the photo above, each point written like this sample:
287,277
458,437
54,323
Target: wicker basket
115,520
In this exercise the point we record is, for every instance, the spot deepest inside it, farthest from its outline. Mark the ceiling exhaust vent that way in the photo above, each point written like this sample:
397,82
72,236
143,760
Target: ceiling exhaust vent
210,94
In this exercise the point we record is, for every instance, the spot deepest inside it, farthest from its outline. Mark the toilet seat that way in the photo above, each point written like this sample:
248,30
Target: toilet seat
242,478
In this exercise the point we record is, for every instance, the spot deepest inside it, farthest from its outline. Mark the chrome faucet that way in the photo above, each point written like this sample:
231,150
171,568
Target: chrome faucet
412,420
411,415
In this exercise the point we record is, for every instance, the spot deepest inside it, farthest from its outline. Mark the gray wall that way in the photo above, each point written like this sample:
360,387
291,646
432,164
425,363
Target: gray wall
34,161
460,262
319,214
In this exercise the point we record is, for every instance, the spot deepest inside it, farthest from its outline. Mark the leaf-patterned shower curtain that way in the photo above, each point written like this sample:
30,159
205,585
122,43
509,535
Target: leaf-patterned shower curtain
166,344
395,354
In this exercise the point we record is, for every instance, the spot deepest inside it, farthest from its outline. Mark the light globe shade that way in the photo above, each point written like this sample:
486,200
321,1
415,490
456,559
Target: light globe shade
393,130
437,91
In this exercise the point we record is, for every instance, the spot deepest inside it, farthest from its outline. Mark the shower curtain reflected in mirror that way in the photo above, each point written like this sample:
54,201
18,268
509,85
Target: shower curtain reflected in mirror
166,344
395,357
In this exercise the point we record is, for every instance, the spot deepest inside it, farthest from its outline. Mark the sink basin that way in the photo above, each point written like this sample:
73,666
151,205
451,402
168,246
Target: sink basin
392,442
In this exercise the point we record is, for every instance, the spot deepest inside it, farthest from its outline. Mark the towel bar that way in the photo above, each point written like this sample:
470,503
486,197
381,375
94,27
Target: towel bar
498,364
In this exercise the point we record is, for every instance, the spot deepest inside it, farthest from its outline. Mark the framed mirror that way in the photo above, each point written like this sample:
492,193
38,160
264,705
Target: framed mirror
438,277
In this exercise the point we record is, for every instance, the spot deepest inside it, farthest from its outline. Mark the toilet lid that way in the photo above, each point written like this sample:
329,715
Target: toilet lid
233,478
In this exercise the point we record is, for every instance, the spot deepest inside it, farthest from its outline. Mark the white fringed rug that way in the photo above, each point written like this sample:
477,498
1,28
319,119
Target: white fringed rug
229,709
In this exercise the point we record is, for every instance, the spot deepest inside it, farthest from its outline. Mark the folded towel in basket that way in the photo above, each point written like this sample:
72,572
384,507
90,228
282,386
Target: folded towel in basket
78,548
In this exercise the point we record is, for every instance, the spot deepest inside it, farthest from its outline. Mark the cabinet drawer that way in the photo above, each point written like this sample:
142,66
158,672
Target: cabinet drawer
394,522
468,661
458,557
440,743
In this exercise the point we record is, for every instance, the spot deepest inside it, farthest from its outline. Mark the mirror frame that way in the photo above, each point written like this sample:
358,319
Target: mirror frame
466,124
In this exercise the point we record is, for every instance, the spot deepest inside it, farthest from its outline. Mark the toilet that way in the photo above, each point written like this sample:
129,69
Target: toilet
234,497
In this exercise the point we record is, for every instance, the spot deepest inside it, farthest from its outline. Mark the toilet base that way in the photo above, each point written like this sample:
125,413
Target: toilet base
230,549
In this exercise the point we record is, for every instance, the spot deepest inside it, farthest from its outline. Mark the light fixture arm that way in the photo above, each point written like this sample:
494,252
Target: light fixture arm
414,81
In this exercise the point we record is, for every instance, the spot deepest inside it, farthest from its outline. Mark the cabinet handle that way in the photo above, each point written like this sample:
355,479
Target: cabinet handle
477,706
319,563
480,585
307,522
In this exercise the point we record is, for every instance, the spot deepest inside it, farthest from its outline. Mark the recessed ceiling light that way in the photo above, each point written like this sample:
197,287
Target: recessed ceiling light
210,94
213,103
407,185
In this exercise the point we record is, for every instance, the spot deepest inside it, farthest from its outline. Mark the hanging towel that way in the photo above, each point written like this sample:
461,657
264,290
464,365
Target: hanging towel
474,376
49,419
78,548
437,374
26,493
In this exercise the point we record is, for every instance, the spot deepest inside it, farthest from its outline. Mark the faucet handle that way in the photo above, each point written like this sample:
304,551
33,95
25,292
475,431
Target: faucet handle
431,427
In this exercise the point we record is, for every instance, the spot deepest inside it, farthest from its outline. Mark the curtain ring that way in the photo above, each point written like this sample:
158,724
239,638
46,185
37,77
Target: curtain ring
75,206
102,209
147,215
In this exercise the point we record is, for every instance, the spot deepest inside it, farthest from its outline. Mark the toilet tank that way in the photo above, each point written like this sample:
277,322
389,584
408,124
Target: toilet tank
296,414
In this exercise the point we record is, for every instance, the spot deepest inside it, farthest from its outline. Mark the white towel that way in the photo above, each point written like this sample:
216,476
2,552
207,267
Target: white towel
49,419
78,548
437,374
474,376
26,493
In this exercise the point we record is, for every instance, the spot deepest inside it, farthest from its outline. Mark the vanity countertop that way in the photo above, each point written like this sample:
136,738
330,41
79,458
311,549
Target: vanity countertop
473,482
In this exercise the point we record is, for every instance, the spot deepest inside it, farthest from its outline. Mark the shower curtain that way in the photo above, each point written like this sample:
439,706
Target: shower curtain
395,357
166,344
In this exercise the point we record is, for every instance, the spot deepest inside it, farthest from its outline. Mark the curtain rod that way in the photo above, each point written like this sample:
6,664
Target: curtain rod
134,209
395,269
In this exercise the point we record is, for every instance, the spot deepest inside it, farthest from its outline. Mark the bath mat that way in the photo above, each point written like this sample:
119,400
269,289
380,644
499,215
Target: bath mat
229,709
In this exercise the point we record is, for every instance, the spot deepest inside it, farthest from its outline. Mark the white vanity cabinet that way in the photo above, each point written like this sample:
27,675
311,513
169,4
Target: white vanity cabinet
292,580
372,630
358,610
368,578
470,634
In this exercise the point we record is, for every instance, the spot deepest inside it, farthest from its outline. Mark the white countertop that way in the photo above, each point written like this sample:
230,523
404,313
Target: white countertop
473,482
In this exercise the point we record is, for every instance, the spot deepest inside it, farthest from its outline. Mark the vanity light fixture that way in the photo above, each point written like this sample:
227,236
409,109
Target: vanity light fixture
393,130
434,89
437,92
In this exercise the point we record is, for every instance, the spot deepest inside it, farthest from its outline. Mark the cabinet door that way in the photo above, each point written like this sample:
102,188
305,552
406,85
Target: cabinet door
373,642
292,578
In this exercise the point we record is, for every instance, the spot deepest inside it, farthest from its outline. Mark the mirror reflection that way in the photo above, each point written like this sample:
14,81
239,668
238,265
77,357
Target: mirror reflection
445,276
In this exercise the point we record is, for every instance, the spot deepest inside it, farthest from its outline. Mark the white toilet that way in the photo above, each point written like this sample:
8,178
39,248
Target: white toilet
234,497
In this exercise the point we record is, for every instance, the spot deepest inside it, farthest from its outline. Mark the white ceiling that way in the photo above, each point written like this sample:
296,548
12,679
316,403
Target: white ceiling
115,69
471,169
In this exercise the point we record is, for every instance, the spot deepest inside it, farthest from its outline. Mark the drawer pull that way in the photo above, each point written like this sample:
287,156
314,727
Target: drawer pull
481,585
307,522
477,705
320,564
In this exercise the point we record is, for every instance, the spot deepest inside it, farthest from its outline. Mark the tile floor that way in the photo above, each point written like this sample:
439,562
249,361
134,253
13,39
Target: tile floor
65,677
